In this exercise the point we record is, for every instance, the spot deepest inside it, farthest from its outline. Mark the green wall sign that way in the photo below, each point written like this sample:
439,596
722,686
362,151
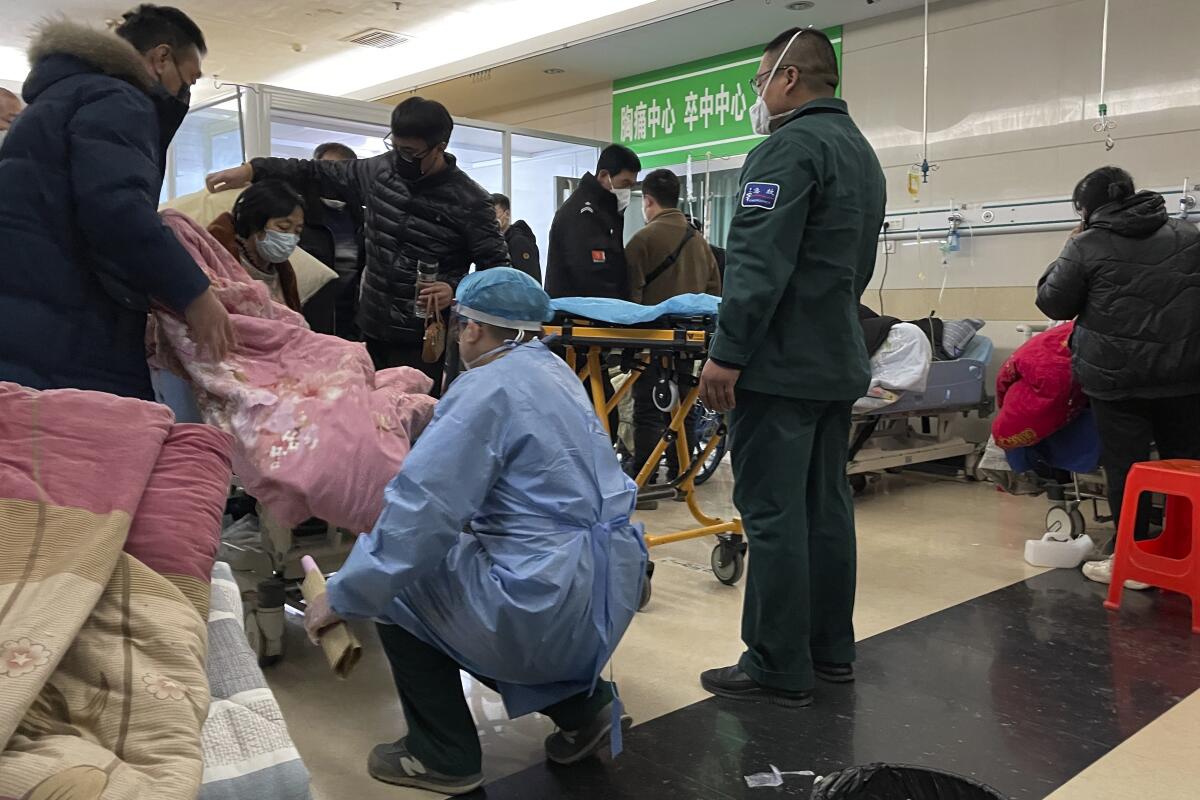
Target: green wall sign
700,109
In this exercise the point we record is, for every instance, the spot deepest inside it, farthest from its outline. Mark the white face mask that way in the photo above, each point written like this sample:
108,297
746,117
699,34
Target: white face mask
624,196
761,116
276,246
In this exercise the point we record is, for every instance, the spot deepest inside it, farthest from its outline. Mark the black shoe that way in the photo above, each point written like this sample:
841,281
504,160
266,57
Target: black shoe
834,673
392,763
571,747
731,682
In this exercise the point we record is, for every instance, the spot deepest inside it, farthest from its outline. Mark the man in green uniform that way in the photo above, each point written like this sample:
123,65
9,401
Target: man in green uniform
789,362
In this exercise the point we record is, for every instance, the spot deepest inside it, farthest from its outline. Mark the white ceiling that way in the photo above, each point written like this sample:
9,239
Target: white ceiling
296,43
725,27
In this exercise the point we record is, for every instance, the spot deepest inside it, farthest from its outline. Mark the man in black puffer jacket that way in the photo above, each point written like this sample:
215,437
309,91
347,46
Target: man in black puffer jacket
419,206
83,252
1130,278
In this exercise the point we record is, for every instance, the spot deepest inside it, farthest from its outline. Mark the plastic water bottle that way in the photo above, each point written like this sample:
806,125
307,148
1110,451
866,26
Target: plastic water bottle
427,275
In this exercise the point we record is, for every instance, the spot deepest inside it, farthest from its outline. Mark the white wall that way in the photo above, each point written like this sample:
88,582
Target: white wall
585,112
1013,96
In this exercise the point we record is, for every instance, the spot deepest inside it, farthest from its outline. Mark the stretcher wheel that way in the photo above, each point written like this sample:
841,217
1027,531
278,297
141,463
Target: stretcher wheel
858,483
728,562
1061,520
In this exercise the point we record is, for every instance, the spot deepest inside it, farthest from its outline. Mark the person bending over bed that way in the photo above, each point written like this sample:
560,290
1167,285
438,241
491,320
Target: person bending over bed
533,597
1128,276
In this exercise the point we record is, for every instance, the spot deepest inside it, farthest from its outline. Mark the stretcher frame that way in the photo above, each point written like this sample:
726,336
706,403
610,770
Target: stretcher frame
587,344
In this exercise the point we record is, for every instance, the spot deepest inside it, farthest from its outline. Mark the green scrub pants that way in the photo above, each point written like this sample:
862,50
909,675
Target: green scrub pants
789,467
441,732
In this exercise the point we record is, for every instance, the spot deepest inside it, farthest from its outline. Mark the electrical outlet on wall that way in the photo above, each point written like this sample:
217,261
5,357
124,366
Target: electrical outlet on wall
889,248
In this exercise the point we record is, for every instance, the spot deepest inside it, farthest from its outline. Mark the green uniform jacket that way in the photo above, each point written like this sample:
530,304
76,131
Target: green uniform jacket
801,252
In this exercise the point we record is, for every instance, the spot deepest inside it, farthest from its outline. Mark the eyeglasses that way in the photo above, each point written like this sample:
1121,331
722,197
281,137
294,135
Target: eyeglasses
390,145
756,82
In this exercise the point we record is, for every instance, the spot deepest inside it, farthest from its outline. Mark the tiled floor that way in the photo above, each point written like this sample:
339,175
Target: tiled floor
924,545
1025,687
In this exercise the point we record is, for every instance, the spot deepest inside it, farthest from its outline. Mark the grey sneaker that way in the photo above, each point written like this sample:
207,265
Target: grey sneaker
392,763
571,747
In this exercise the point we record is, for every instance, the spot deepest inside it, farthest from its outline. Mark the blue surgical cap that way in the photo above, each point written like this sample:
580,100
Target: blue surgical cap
505,297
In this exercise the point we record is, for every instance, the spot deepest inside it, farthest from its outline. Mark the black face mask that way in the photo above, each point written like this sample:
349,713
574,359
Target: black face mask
408,170
170,109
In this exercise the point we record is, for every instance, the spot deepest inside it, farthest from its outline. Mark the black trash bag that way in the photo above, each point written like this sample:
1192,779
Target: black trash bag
899,782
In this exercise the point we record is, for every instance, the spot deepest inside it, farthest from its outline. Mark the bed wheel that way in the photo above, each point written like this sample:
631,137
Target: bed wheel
858,483
1061,520
728,561
267,648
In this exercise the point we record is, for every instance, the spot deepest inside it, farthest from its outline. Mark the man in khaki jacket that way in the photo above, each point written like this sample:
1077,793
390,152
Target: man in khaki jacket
666,258
659,268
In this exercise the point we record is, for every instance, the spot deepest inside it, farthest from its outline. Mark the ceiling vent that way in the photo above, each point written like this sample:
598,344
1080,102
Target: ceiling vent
377,37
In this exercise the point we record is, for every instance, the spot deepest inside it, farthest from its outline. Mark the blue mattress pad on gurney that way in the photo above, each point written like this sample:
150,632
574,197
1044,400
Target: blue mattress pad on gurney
623,312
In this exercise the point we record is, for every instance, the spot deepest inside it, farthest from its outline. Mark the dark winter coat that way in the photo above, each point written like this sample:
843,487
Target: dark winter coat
1131,281
587,245
445,217
82,249
523,249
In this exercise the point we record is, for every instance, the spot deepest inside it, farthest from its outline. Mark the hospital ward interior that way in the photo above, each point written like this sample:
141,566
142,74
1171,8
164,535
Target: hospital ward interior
612,400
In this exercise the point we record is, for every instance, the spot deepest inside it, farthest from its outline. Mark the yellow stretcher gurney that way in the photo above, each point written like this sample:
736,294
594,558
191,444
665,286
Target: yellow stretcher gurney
679,343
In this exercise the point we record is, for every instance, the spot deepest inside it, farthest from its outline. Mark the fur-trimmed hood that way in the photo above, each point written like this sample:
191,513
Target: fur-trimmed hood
107,52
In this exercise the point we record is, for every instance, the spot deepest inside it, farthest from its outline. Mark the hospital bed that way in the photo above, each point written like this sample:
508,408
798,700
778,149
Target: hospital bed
919,427
599,335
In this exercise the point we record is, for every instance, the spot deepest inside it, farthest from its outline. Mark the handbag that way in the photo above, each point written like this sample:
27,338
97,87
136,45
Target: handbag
435,336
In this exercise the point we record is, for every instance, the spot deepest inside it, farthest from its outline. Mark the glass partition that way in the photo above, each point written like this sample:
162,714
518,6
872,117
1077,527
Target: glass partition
209,139
538,165
480,154
528,166
296,135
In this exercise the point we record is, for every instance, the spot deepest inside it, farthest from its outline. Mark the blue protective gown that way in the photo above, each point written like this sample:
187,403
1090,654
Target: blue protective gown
539,590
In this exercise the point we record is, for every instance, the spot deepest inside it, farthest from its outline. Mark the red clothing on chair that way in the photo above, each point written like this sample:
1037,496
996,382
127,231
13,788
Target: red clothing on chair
1036,390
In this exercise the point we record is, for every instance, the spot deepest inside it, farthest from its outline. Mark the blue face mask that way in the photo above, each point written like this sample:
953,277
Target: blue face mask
277,246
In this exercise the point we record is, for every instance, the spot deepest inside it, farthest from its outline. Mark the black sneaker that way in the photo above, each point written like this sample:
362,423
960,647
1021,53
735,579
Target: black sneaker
392,763
834,673
571,747
731,682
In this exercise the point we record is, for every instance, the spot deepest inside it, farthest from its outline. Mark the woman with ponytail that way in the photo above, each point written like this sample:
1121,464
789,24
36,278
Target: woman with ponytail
1130,278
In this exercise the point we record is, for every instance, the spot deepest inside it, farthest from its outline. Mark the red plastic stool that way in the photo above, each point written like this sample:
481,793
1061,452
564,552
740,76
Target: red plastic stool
1171,561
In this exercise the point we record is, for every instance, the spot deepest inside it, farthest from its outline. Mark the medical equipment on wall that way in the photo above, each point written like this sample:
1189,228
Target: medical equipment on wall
1105,125
691,193
923,168
1033,215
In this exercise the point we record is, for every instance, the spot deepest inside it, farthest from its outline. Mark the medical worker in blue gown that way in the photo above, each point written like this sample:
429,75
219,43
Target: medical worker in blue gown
504,548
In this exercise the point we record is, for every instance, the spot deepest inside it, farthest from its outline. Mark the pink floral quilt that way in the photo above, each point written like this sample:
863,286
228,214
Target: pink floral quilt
318,432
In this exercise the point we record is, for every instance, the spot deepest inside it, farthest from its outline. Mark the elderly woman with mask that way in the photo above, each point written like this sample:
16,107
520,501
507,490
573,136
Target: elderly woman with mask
262,232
